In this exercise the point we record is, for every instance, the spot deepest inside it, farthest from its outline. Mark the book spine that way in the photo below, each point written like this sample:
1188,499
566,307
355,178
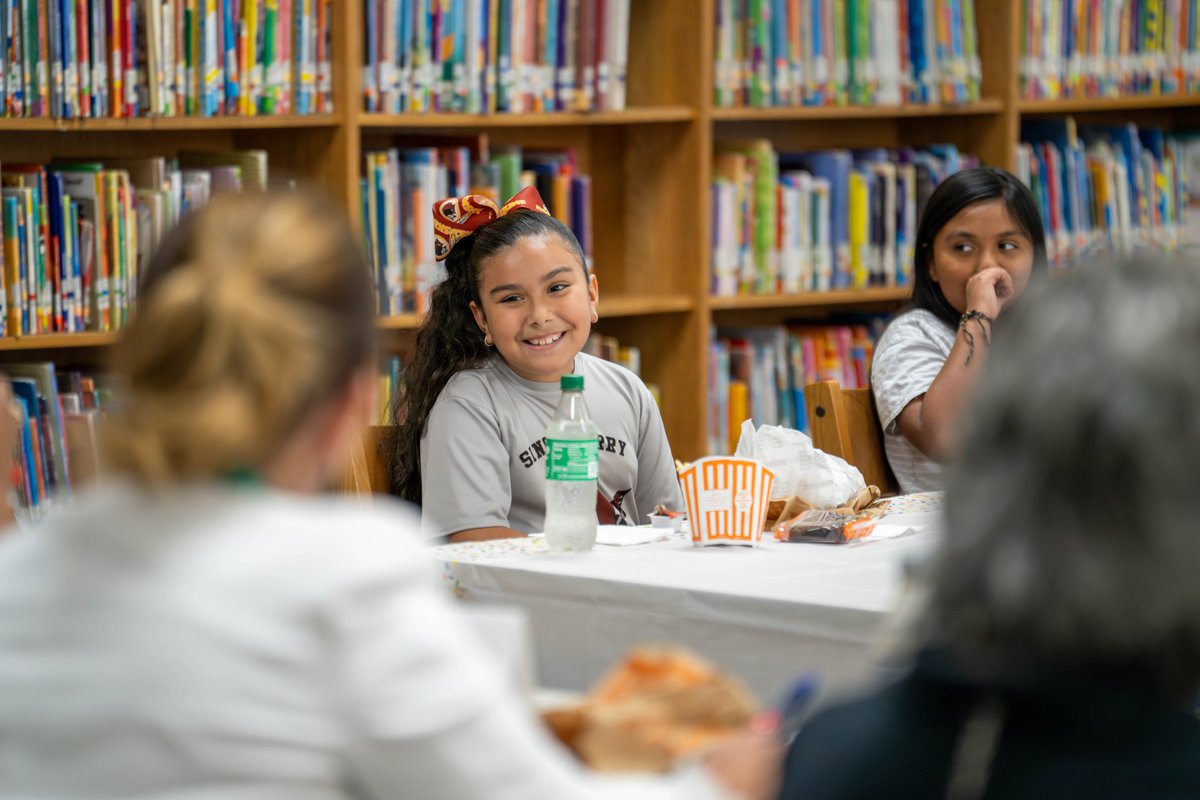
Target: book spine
129,40
270,86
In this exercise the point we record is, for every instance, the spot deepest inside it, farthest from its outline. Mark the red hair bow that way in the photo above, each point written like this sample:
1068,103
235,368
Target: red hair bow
456,217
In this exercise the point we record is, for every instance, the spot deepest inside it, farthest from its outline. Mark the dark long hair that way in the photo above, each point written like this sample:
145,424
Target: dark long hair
448,340
962,189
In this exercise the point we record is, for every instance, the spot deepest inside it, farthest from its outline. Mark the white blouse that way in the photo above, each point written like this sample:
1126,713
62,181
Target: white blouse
244,644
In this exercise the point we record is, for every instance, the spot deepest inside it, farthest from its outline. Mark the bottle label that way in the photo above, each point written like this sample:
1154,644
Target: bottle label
572,459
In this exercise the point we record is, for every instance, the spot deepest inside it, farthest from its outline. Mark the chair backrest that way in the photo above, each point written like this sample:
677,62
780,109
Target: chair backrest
843,422
367,473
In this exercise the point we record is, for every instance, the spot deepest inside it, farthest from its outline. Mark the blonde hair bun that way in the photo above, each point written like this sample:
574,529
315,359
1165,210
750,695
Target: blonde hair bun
256,308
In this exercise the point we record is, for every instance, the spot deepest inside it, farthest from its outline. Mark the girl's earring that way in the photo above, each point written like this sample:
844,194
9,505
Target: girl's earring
595,316
487,340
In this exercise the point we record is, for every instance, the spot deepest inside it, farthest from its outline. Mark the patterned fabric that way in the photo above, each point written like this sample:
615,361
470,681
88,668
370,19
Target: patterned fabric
456,217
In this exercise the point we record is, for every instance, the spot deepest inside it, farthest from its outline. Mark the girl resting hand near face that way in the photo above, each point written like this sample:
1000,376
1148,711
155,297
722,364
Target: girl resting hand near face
979,243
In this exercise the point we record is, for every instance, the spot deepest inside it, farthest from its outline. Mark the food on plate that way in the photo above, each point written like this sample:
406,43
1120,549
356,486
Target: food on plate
656,707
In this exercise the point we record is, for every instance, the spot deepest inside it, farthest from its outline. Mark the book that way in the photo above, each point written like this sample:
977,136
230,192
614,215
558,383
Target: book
33,454
45,385
81,440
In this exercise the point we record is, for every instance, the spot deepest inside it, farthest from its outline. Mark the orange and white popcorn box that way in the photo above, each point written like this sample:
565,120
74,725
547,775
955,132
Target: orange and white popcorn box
727,499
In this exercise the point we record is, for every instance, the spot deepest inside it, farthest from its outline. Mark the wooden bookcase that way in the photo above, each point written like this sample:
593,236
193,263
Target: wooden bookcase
650,166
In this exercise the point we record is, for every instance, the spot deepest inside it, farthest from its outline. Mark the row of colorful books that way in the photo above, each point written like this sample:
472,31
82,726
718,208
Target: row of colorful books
1105,188
845,52
760,373
487,56
110,58
76,235
57,449
400,186
819,220
1109,48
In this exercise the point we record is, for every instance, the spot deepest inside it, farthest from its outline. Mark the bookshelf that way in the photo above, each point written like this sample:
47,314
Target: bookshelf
651,169
649,189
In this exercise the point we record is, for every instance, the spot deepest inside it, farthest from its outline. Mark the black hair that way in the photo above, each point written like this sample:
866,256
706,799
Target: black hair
960,190
449,340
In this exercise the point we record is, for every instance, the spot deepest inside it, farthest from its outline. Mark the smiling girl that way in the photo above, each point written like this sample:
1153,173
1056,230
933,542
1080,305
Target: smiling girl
509,320
979,243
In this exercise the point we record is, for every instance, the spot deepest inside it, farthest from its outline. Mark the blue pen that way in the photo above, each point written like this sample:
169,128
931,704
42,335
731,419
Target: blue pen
793,710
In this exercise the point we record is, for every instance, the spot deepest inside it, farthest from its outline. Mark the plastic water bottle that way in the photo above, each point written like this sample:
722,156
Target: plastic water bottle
572,466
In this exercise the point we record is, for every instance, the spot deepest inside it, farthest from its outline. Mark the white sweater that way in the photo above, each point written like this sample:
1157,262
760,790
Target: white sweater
243,644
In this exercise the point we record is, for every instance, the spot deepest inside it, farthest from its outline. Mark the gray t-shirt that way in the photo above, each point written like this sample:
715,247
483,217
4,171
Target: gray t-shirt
483,451
910,354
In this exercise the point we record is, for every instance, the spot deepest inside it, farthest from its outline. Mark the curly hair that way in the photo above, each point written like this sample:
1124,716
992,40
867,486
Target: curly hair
449,340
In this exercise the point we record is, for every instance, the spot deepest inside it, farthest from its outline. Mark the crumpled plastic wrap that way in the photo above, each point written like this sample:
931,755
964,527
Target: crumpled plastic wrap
801,470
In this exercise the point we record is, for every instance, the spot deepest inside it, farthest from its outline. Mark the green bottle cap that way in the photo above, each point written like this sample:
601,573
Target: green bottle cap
572,383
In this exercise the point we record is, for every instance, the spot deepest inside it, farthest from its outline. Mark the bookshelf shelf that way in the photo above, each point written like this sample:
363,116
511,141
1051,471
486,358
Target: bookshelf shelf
1086,104
58,341
802,113
631,116
171,123
400,322
832,299
611,307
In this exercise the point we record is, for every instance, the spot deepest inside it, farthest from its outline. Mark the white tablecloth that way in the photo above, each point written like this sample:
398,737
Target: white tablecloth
765,614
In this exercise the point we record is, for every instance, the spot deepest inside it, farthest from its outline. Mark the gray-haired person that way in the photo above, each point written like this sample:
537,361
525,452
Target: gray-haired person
1061,639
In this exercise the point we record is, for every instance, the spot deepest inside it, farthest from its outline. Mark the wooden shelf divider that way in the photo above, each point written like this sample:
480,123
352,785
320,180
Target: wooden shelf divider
120,124
1083,105
634,306
832,299
630,116
56,341
399,322
803,113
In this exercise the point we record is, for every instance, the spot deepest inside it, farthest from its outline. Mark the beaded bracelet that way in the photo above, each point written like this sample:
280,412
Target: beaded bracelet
980,318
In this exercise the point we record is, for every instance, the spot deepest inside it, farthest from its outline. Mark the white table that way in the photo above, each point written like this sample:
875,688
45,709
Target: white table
765,614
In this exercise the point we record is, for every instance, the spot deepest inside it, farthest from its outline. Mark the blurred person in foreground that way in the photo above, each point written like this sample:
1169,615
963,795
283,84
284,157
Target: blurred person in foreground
209,624
1061,633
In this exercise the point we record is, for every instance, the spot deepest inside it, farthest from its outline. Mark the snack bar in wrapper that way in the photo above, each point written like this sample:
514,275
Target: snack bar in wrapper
829,527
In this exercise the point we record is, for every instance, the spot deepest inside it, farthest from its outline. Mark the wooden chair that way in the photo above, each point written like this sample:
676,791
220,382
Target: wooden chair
843,423
367,473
